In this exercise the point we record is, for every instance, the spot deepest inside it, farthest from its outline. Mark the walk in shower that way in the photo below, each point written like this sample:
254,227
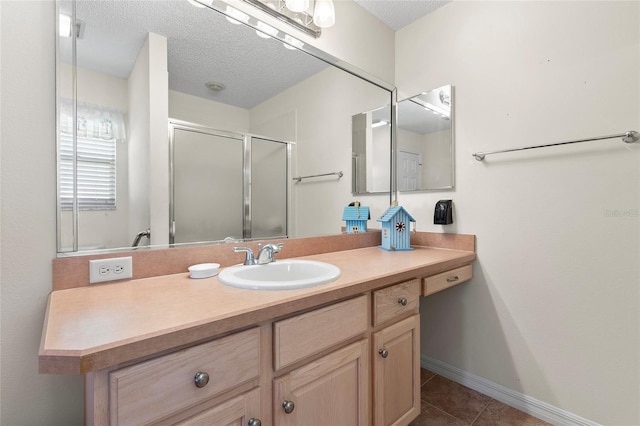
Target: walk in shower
226,185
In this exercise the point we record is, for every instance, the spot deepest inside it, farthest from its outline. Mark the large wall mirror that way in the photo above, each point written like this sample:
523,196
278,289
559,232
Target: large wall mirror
134,65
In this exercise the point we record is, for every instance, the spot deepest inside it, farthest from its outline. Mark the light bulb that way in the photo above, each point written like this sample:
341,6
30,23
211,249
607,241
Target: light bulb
324,14
297,5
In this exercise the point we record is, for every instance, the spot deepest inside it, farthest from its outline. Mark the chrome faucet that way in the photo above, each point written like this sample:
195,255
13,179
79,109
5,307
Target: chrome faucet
265,255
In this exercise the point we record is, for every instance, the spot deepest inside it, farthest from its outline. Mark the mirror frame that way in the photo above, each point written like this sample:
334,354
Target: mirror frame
252,23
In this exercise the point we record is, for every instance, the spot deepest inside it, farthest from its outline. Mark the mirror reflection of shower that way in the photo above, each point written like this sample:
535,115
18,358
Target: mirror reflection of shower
241,183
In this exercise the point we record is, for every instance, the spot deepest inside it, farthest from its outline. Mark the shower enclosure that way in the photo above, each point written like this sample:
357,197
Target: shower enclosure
242,183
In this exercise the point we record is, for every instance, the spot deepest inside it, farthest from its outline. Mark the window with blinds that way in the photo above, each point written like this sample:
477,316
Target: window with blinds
96,172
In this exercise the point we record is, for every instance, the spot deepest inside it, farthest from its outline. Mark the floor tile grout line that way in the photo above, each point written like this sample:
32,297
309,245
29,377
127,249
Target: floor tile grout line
481,411
429,379
446,412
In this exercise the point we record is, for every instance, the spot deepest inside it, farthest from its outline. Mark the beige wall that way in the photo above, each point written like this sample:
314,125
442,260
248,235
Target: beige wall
553,309
207,113
28,214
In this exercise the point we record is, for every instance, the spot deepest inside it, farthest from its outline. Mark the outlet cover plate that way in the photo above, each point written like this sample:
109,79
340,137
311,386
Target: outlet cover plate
116,268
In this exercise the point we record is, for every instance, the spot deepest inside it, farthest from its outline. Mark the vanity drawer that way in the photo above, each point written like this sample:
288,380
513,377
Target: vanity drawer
396,300
445,280
306,334
154,389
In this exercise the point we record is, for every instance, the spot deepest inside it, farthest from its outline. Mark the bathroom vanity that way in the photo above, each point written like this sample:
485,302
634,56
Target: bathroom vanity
174,350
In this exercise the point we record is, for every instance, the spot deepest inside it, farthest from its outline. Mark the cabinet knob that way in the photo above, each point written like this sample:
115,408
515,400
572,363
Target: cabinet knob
383,353
453,279
403,301
288,406
254,422
201,379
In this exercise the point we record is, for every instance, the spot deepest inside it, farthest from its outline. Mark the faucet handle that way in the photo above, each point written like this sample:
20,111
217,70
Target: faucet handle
248,260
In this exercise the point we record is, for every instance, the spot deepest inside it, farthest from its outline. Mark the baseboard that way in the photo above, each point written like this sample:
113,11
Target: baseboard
515,399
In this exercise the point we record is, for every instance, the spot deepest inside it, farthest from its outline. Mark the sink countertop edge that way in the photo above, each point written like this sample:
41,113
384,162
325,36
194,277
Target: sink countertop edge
59,354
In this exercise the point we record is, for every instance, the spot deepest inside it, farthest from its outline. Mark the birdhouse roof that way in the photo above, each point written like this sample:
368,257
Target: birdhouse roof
356,213
392,212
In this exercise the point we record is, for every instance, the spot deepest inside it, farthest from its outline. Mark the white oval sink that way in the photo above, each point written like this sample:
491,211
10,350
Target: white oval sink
280,275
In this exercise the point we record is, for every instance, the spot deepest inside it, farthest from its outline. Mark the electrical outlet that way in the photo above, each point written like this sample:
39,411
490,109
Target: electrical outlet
117,268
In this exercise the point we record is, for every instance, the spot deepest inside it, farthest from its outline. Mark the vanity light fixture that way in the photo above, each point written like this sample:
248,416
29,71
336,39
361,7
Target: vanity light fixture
307,16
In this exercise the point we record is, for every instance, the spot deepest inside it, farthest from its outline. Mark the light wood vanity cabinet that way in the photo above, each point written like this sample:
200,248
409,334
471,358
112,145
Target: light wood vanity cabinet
396,354
353,362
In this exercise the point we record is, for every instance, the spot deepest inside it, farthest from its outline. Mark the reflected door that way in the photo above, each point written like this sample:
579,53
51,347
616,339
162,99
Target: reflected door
207,186
408,171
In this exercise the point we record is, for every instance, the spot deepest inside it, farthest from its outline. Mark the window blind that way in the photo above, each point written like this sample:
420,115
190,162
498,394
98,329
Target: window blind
96,172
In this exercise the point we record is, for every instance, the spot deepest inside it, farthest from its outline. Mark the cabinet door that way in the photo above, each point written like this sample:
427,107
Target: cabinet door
333,390
396,372
238,411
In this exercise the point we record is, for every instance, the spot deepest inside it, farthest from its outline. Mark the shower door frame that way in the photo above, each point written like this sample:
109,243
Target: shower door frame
246,175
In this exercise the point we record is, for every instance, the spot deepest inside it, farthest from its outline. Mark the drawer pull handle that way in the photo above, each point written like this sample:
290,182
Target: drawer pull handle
254,422
288,406
383,353
453,280
403,301
201,379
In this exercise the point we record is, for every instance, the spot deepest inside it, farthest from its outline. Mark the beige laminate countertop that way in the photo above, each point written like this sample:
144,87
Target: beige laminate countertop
91,328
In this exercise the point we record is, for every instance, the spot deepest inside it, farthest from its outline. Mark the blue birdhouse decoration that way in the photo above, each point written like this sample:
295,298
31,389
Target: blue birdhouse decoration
356,217
396,229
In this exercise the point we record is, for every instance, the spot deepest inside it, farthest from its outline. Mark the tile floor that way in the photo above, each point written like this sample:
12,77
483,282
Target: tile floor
445,402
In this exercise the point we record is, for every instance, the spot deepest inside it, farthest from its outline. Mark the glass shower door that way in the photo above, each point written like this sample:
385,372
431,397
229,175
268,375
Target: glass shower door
268,188
212,162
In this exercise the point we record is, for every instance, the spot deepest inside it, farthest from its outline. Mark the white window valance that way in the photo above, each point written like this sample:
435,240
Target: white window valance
94,121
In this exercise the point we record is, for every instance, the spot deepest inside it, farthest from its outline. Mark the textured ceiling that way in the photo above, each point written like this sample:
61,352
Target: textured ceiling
400,13
202,46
